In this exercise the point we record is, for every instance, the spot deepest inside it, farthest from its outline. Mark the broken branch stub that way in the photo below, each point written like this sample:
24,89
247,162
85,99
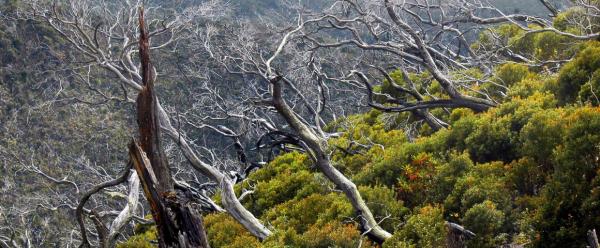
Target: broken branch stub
178,223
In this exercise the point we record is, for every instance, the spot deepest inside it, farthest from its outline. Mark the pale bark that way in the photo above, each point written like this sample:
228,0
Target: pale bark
241,214
229,200
127,213
319,148
102,232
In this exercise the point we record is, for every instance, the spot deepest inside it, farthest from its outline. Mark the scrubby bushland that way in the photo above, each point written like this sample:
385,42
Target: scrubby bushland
524,172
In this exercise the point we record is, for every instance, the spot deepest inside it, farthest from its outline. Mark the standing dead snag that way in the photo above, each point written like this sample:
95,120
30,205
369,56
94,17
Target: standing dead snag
178,223
146,115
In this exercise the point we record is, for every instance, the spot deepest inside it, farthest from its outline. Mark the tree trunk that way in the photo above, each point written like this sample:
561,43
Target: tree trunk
228,198
178,223
552,9
318,145
457,235
241,214
146,116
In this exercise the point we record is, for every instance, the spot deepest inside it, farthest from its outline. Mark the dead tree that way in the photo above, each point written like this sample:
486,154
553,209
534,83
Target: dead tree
107,235
305,129
550,7
396,35
178,223
421,36
111,48
319,149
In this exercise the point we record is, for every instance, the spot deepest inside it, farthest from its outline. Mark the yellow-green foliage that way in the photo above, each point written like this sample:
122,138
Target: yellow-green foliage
571,189
511,73
382,202
426,228
144,239
568,19
332,234
580,77
421,81
487,221
363,129
287,177
539,45
301,209
574,20
314,221
224,231
315,209
511,174
523,172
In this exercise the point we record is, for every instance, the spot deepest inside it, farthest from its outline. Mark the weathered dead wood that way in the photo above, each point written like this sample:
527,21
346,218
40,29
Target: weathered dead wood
80,207
320,152
457,235
550,7
593,239
178,223
146,115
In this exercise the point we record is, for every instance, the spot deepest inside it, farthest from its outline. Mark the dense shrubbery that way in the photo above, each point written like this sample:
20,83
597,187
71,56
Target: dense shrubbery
524,172
580,79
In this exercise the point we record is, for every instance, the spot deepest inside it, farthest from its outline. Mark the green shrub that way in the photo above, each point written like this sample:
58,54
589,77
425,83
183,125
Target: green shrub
383,203
314,209
486,222
511,73
579,72
145,239
424,229
224,231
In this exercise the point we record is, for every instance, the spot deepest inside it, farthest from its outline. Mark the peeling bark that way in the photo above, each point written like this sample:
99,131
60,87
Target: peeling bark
178,223
146,115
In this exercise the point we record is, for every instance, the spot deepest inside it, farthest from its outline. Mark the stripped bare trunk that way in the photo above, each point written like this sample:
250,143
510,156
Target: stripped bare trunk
318,146
457,235
178,223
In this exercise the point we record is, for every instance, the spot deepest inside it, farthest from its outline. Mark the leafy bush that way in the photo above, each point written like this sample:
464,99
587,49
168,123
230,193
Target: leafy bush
424,229
575,74
486,221
224,231
511,73
145,239
523,172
